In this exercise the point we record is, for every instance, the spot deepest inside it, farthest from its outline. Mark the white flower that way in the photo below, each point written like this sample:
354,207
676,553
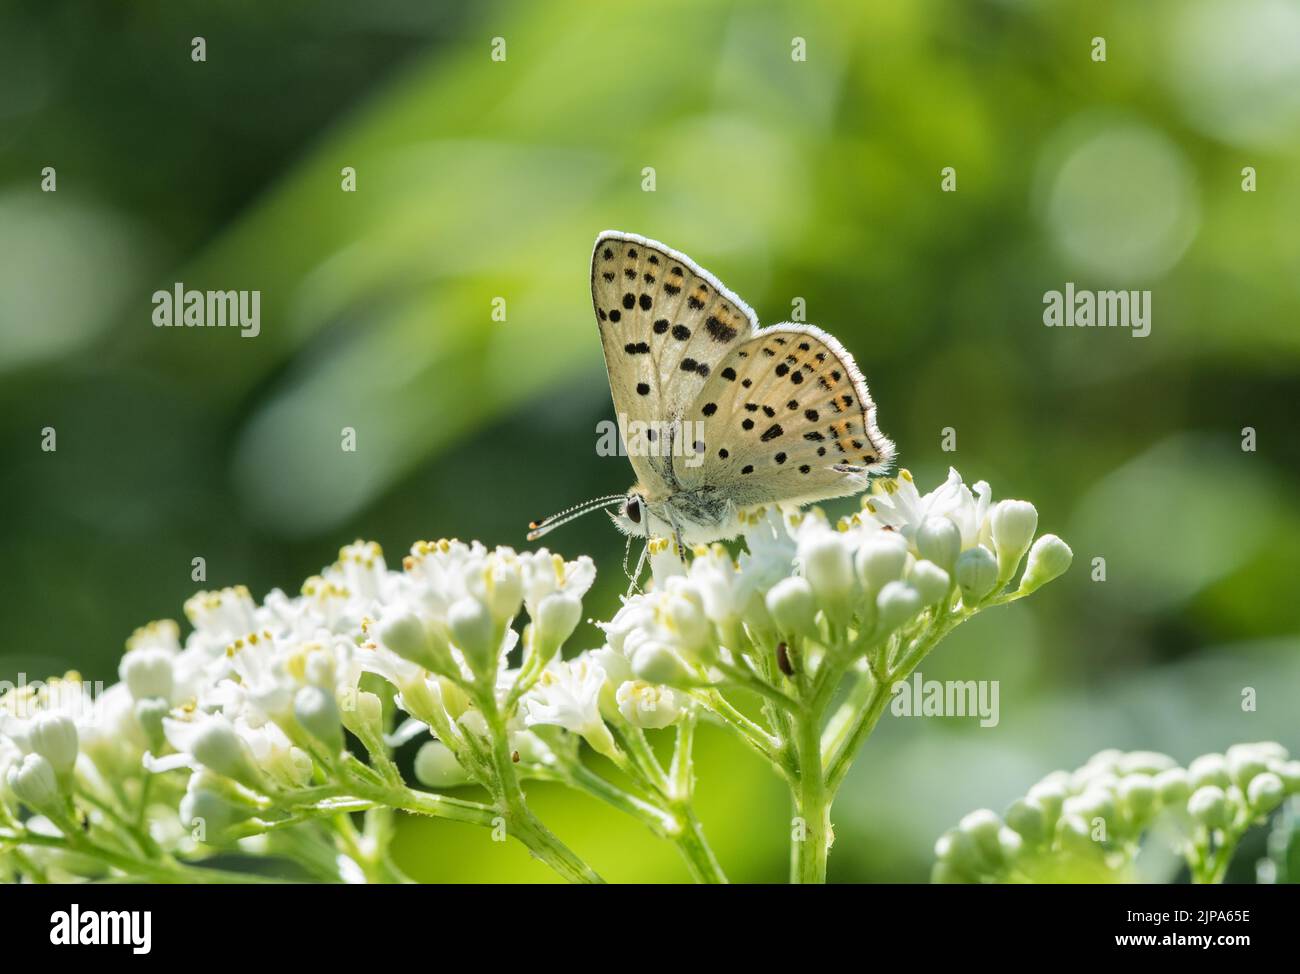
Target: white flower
897,503
568,695
647,705
717,579
221,616
546,574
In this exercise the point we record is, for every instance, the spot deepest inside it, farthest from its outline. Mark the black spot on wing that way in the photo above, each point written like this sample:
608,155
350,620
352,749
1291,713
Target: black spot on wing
718,331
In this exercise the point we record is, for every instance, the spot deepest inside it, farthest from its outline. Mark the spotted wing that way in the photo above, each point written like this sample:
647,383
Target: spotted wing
665,325
786,417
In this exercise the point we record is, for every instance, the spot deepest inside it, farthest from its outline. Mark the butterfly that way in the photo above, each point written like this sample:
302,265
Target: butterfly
719,416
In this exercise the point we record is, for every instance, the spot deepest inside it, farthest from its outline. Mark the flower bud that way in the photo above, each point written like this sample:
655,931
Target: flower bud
1289,773
473,630
54,737
149,714
437,767
1026,816
147,673
1051,795
1048,559
880,561
792,606
1266,750
1137,798
1209,806
207,808
828,566
1145,762
1075,832
939,540
362,712
505,589
1265,792
411,638
1173,786
216,745
686,617
1244,763
977,574
647,705
964,860
897,603
319,715
34,783
1209,769
557,617
1095,803
655,663
984,829
931,582
1013,524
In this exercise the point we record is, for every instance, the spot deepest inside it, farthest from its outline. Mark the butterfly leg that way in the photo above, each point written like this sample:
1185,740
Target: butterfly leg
677,539
633,588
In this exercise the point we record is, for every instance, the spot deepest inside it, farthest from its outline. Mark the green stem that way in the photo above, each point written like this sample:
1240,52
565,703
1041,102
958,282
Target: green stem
858,730
809,845
520,821
695,849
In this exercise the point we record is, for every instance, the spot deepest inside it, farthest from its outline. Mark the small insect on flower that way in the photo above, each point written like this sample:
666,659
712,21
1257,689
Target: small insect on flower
776,415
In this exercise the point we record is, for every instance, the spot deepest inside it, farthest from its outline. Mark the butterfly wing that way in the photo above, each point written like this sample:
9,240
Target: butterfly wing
786,417
665,325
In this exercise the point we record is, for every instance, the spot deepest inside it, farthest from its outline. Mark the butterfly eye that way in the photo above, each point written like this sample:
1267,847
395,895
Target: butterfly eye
634,511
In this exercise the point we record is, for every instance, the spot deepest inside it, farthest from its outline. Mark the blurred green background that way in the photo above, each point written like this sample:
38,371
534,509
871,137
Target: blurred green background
818,180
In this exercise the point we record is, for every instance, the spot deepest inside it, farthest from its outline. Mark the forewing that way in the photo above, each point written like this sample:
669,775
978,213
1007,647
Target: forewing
785,418
665,325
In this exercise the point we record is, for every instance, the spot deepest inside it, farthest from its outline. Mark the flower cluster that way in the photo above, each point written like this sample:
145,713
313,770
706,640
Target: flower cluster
254,707
902,564
1088,824
273,728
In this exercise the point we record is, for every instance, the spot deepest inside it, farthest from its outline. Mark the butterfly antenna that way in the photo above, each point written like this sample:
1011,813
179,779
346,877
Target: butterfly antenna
548,524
